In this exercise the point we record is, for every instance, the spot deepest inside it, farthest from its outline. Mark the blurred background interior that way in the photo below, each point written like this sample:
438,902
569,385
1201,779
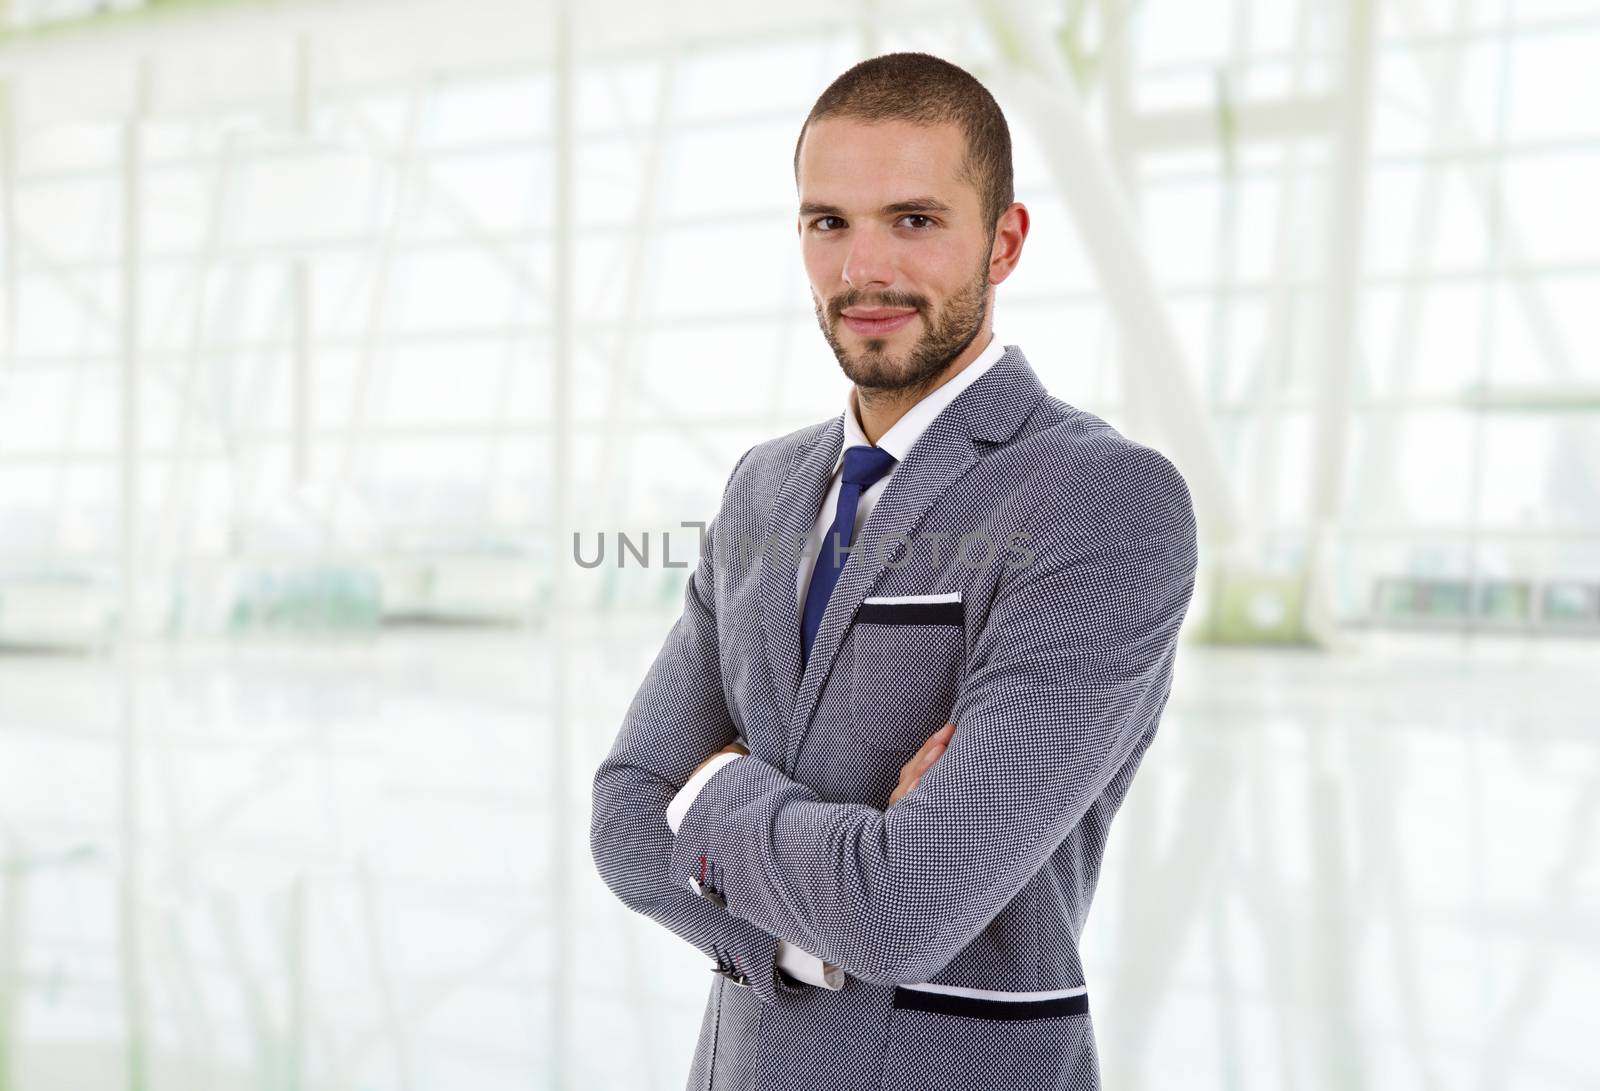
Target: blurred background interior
327,327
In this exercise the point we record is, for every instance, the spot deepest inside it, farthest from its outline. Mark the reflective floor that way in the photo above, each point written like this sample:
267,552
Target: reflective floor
345,865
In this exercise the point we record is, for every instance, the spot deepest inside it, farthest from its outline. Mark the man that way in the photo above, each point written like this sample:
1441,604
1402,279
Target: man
894,903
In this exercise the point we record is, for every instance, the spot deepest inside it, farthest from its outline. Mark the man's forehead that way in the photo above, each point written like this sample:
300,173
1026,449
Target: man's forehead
841,142
880,164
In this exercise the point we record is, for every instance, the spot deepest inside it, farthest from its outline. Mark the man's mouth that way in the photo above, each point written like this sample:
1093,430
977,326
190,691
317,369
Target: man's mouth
876,322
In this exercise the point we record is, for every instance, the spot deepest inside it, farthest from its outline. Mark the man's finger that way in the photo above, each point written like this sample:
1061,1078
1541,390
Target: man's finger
930,756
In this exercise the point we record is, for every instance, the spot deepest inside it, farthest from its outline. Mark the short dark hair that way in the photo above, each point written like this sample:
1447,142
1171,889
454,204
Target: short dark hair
927,90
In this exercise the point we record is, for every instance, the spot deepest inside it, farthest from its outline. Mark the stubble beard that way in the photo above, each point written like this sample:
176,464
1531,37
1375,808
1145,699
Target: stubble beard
875,372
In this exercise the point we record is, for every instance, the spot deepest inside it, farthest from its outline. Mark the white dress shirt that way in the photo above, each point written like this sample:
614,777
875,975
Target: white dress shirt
898,441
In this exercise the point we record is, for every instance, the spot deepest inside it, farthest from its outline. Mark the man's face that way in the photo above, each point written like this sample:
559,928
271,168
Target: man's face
895,248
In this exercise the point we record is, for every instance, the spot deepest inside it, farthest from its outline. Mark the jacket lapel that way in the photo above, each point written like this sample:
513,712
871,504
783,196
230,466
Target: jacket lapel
794,513
989,411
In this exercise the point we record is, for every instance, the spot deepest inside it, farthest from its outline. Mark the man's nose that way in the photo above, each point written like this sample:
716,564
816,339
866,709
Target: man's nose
868,262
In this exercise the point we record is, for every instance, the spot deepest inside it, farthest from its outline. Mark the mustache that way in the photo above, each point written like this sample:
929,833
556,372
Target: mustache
898,300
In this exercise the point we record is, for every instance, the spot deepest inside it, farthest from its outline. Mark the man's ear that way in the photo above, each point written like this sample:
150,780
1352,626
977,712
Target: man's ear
1011,230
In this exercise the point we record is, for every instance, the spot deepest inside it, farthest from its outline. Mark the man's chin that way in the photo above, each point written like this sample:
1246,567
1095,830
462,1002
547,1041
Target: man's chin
877,376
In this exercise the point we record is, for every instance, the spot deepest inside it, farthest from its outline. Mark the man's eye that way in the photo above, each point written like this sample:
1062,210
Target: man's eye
927,221
821,220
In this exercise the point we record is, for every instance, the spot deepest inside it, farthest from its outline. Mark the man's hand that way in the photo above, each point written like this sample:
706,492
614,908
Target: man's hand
911,772
735,747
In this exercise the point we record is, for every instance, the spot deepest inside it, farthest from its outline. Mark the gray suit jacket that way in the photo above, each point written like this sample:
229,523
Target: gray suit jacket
956,912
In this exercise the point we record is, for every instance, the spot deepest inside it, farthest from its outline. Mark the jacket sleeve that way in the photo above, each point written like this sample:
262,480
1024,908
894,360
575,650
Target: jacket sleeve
799,964
676,719
1064,686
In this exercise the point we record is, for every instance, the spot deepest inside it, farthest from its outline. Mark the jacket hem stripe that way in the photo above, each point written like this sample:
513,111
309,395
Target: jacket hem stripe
948,1004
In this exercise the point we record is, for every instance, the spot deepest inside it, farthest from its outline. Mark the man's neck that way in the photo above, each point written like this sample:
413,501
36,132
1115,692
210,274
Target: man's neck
879,410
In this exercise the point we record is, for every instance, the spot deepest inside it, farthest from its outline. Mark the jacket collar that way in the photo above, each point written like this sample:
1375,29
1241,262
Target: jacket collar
905,432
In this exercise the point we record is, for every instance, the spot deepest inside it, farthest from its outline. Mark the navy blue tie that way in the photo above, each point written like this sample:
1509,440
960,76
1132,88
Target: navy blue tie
863,466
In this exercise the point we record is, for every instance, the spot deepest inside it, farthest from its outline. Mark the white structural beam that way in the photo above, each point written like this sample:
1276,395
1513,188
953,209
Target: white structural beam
1270,398
1203,127
562,830
8,233
622,373
1036,77
1341,312
129,377
401,38
403,171
300,290
1442,81
130,915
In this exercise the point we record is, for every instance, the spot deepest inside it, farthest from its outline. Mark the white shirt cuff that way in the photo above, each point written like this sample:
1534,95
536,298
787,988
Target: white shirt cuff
808,967
685,798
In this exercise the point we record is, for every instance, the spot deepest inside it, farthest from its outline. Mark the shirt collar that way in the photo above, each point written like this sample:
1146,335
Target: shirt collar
900,438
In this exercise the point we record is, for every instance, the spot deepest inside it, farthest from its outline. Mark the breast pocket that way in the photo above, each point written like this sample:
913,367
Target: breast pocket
957,1039
909,652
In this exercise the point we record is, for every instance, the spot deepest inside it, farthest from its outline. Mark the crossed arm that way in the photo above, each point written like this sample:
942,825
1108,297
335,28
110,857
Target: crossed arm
1065,685
799,963
677,716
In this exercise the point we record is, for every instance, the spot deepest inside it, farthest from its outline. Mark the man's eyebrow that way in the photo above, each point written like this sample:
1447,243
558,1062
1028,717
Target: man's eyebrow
898,208
917,204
